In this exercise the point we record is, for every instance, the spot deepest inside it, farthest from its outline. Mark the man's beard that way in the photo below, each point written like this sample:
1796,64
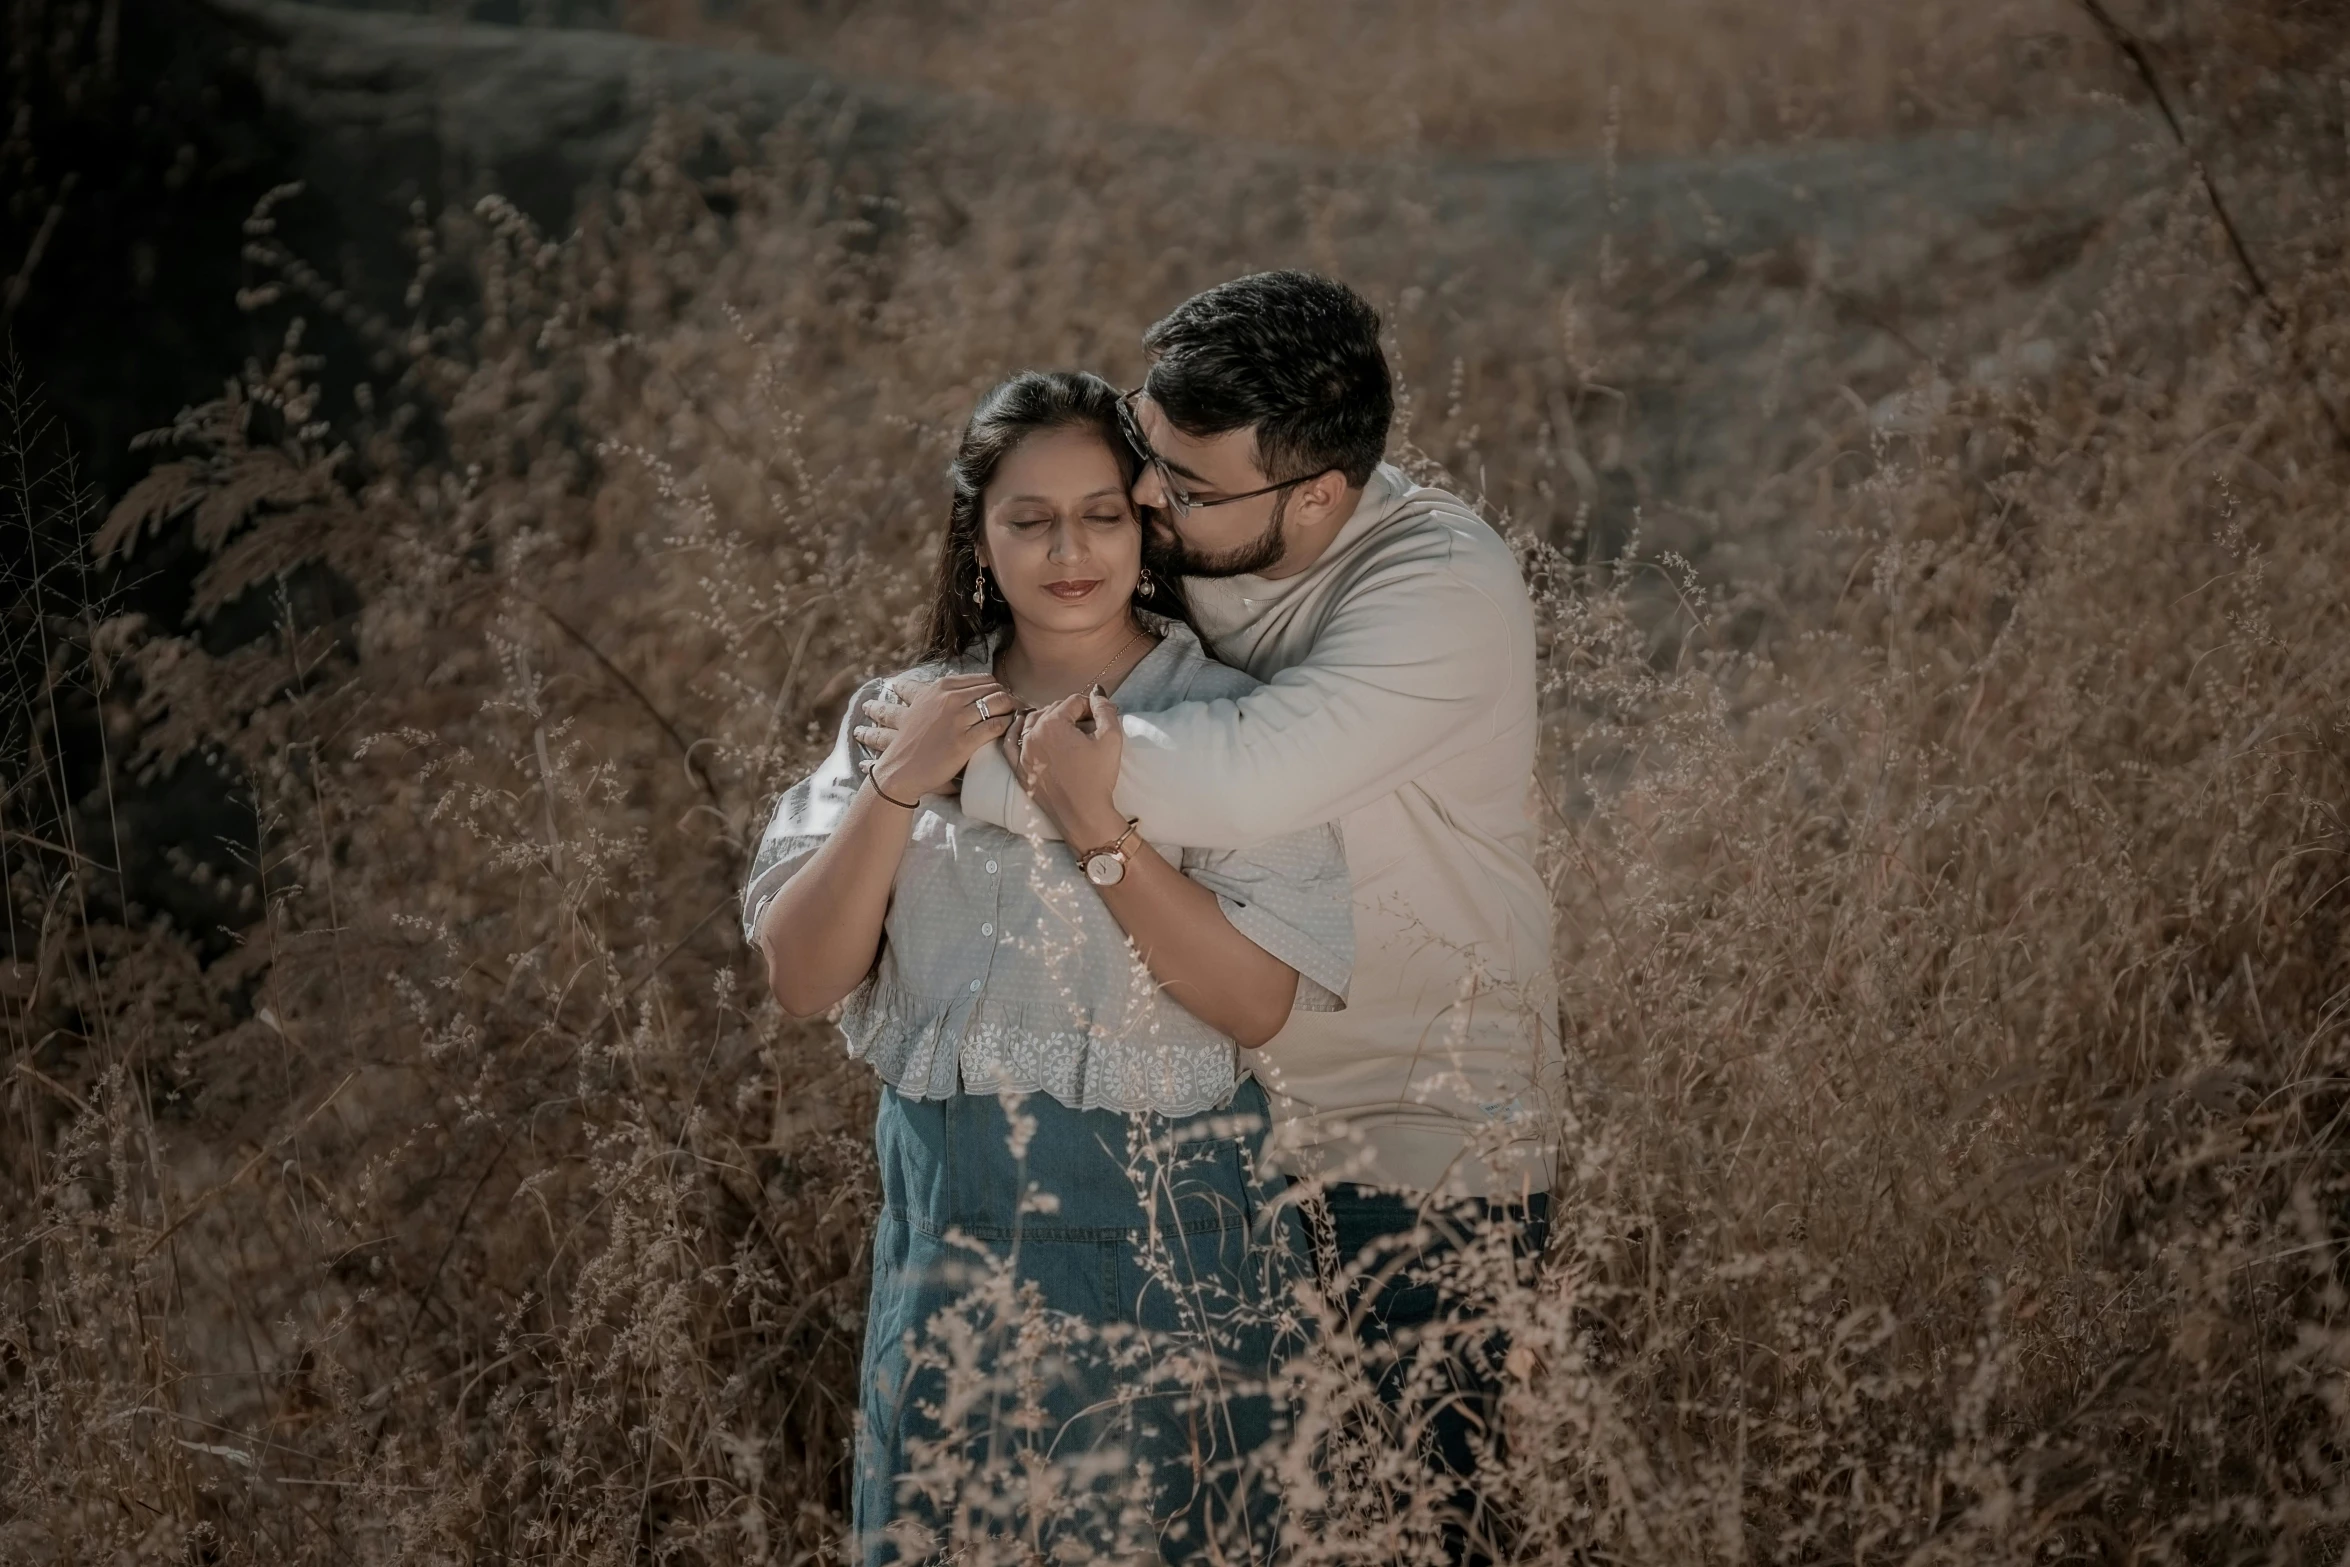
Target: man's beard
1242,560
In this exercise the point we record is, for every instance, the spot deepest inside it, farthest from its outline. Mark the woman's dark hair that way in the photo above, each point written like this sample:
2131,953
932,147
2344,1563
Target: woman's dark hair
1028,404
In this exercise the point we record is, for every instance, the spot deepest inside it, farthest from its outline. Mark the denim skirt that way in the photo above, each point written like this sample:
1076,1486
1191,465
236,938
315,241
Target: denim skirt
1076,1320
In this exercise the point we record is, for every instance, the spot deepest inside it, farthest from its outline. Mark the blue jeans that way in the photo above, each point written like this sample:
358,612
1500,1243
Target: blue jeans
1069,1342
1391,1292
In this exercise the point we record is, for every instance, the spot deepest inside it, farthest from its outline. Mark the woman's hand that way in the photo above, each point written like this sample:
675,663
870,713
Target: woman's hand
925,743
1067,757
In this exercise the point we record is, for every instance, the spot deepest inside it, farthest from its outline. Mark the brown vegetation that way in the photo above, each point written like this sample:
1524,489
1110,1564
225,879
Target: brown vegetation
1954,931
1457,76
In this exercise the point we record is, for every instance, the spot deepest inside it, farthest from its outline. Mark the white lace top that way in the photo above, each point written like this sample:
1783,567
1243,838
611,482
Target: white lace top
1001,969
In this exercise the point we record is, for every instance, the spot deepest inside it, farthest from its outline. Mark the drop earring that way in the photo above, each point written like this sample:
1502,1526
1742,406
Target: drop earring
1145,585
979,589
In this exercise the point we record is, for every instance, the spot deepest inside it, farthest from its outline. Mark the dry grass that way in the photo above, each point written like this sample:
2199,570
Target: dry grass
1955,956
1459,76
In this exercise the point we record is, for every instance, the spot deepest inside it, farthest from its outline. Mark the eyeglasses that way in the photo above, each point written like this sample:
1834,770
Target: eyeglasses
1179,499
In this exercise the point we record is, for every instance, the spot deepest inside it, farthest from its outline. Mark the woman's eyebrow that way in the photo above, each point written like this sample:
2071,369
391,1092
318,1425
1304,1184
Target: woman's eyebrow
1047,500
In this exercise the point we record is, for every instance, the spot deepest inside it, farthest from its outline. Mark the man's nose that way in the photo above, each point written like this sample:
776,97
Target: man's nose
1147,490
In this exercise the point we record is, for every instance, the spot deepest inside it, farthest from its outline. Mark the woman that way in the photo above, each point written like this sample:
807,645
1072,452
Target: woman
1074,1305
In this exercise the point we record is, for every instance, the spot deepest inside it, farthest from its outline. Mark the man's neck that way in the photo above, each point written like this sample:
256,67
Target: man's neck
1308,545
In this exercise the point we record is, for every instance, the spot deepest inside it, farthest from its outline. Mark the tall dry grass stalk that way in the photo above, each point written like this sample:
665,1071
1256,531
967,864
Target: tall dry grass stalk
1455,76
1953,924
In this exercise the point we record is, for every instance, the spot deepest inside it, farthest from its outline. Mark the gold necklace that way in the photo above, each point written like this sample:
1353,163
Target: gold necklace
1138,633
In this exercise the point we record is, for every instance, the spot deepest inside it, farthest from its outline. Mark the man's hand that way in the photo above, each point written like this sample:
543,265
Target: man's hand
924,741
1066,757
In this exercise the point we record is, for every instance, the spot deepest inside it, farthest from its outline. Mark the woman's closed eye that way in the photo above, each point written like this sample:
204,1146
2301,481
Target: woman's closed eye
1093,519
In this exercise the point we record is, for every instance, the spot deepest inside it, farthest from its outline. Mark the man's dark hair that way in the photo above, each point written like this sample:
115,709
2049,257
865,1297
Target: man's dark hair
1293,354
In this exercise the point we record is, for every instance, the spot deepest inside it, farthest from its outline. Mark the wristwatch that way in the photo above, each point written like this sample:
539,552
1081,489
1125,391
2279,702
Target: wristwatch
1107,867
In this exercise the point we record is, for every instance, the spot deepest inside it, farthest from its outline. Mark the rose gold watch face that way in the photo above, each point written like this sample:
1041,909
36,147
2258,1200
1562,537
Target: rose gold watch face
1105,870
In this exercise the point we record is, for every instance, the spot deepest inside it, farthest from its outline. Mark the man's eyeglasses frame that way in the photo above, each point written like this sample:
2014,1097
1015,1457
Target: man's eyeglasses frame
1179,499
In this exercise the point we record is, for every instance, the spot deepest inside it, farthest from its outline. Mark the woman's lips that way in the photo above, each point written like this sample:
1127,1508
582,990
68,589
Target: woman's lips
1072,591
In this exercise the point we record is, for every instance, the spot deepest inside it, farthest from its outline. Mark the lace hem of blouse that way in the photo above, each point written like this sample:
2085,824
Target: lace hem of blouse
932,1050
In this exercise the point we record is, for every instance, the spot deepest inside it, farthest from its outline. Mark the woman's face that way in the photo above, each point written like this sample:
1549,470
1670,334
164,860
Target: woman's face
1060,535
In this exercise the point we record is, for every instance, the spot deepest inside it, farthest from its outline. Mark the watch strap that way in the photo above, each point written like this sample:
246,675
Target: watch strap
1116,846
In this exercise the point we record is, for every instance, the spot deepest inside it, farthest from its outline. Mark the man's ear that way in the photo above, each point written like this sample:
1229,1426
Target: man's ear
1321,495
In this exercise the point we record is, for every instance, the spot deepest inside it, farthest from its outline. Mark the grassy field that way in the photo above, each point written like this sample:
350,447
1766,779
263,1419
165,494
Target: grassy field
1954,912
1472,76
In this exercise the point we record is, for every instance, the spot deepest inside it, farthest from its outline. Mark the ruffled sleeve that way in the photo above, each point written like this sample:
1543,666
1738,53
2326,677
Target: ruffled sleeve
809,812
1291,896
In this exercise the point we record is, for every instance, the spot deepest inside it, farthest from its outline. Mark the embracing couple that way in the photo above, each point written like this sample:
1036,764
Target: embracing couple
1183,899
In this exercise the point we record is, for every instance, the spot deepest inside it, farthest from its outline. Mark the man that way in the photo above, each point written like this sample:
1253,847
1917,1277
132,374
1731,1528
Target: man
1395,637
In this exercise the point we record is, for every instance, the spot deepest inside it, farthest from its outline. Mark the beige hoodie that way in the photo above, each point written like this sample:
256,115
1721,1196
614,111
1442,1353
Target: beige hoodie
1398,701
